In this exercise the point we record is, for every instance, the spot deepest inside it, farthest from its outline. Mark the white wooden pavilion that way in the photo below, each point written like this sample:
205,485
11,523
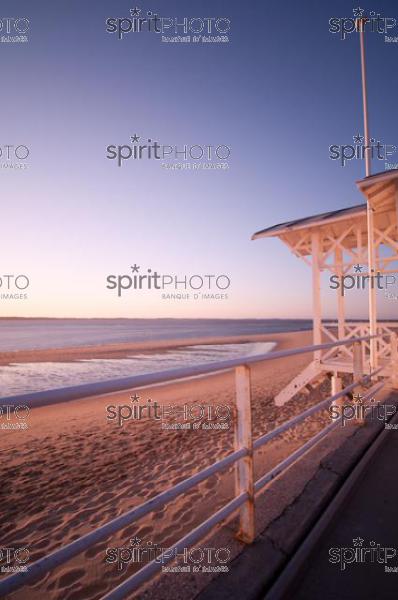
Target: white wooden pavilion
337,241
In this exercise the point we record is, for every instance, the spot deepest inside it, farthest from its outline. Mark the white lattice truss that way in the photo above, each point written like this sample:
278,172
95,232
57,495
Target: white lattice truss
339,243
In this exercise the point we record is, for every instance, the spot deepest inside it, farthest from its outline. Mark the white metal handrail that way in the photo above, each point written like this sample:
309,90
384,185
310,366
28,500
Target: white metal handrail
138,381
135,581
242,457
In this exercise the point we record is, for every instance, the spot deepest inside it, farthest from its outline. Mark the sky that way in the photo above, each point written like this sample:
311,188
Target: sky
278,93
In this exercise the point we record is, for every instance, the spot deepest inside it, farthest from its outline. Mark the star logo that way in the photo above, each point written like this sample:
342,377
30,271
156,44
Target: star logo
358,398
358,12
358,541
135,541
134,138
135,12
358,269
135,397
135,268
358,139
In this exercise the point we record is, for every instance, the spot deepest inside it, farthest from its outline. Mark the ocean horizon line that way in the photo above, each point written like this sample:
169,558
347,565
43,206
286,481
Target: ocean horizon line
309,318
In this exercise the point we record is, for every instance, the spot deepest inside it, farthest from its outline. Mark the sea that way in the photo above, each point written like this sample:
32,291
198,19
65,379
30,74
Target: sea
38,334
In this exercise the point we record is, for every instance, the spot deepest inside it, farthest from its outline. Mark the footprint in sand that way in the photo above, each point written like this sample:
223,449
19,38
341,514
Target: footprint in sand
182,511
169,469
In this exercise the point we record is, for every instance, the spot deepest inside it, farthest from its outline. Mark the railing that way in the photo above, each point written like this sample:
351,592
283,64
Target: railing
361,328
242,458
115,385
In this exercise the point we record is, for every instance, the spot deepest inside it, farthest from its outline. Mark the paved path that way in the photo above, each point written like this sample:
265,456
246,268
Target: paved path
370,515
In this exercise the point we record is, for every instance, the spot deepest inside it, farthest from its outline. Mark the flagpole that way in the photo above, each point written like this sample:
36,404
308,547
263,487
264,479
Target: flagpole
360,24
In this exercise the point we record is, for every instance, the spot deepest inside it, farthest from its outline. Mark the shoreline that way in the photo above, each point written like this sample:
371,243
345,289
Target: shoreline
122,350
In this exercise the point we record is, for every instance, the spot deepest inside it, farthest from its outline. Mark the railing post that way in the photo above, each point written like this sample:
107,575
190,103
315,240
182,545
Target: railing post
394,360
336,385
358,362
358,374
316,293
244,478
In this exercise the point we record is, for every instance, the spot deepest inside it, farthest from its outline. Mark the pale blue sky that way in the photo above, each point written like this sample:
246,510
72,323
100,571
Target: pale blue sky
279,94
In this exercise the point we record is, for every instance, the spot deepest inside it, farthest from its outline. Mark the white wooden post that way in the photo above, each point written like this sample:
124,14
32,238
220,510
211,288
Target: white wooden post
336,388
336,384
340,297
244,477
372,289
358,364
363,332
358,370
316,292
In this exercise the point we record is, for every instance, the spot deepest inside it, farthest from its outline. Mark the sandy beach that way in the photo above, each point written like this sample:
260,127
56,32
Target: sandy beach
73,469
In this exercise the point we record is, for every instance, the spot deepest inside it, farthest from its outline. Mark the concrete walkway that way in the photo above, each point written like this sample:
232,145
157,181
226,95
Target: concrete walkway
357,556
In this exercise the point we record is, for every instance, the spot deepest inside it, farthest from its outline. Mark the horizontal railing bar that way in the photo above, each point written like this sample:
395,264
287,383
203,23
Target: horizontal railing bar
307,413
137,381
374,390
62,555
260,483
374,373
353,323
133,582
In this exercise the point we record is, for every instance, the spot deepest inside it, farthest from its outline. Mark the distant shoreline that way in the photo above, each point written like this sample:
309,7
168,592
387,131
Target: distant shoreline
158,319
22,340
122,350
